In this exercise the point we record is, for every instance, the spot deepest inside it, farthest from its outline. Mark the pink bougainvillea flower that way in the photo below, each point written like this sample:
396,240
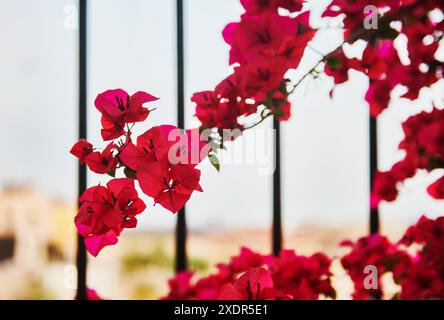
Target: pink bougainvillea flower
118,109
244,261
255,35
304,278
111,129
292,49
424,149
91,294
377,251
280,106
105,211
82,149
262,74
384,186
431,136
436,189
290,5
102,162
378,96
180,287
221,115
165,144
258,7
374,63
424,277
338,65
151,146
255,284
171,187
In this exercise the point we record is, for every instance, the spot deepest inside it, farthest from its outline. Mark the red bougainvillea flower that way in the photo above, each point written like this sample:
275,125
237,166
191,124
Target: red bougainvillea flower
354,13
280,106
304,278
424,149
431,136
430,233
374,63
257,34
102,162
262,74
246,260
436,189
82,149
171,187
292,48
338,65
180,287
105,211
374,250
165,144
378,96
213,113
207,288
420,282
424,278
257,7
91,294
118,109
152,146
384,186
255,284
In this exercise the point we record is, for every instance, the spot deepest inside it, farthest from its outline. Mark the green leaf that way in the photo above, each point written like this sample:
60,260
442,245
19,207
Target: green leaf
279,113
214,161
129,173
388,33
112,172
334,62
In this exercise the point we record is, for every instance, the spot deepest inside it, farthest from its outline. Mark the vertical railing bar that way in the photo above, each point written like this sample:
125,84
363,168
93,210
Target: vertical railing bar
373,141
277,196
181,227
81,259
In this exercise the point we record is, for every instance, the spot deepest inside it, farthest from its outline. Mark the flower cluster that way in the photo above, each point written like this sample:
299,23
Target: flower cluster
424,278
380,60
264,46
424,149
162,160
376,251
419,273
251,276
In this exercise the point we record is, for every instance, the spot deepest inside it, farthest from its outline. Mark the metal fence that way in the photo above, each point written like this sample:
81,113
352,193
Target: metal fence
181,228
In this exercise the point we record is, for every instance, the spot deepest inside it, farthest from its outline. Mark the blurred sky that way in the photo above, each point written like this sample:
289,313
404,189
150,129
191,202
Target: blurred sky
132,45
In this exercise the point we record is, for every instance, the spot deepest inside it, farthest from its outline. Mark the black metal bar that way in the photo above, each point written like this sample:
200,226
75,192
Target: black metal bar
277,197
373,141
81,259
181,226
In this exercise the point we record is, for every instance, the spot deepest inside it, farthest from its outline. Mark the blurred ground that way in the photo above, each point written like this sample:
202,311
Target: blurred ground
40,263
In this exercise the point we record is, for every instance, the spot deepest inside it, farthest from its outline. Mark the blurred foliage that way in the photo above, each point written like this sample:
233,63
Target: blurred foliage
36,291
138,261
198,264
144,291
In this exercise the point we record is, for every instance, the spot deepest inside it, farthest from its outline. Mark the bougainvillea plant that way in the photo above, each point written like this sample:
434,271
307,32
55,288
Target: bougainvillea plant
419,273
162,161
251,276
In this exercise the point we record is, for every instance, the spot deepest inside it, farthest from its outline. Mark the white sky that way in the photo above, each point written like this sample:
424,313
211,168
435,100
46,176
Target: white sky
132,46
